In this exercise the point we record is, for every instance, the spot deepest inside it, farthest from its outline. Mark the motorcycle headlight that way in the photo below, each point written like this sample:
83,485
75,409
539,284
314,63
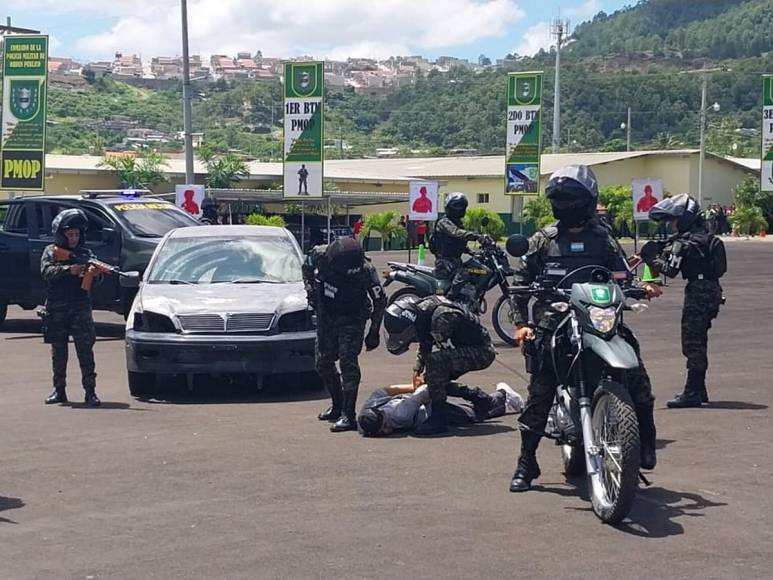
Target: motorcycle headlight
603,319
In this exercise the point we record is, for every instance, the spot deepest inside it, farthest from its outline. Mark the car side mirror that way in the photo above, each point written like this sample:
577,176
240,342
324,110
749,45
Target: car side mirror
130,279
517,245
109,235
484,222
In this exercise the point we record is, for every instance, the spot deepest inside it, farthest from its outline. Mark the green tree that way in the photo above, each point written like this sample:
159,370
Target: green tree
224,171
256,219
385,223
748,220
618,200
142,171
537,210
473,220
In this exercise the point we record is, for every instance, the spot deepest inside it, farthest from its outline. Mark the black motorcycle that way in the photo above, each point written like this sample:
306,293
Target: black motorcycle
486,268
593,418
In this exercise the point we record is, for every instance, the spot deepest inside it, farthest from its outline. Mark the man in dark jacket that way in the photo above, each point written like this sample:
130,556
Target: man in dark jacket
67,311
700,257
449,241
344,290
577,239
452,342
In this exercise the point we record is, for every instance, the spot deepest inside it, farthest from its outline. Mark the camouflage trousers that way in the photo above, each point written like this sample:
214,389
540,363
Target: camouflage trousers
543,384
444,366
63,321
702,299
339,340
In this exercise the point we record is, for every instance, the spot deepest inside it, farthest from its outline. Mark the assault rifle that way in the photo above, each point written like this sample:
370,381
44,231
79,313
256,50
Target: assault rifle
93,266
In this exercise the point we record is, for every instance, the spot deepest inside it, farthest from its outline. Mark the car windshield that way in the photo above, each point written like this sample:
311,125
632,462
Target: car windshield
227,260
152,219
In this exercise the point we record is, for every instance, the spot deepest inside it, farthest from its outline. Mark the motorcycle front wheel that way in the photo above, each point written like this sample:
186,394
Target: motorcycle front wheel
616,435
502,318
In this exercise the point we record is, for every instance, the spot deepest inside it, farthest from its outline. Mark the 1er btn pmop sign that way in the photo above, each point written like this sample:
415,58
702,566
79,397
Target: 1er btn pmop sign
23,123
303,129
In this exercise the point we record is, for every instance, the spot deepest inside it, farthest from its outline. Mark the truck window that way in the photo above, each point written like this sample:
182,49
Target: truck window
16,220
152,219
3,215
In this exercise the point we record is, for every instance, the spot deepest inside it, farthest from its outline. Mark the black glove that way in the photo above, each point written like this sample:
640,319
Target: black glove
372,340
486,240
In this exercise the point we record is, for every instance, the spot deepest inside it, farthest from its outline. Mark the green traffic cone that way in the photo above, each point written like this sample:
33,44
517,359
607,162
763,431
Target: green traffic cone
648,276
420,260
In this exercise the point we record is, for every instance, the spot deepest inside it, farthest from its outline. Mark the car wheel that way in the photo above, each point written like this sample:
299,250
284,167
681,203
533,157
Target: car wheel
3,311
141,385
312,381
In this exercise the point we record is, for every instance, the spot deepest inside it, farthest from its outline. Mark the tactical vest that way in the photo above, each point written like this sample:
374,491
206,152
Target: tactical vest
567,251
342,279
446,246
701,256
470,332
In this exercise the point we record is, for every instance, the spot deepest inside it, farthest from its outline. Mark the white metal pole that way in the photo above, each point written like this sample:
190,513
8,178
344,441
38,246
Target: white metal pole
187,113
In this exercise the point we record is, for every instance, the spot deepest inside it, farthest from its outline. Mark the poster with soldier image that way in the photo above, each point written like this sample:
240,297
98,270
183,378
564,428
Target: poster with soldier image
23,123
766,174
524,133
304,129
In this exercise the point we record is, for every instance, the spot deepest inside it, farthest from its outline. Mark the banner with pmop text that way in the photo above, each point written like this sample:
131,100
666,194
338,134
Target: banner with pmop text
524,133
23,123
304,129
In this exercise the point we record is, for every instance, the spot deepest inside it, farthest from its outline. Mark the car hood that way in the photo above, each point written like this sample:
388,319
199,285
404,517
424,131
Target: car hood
174,300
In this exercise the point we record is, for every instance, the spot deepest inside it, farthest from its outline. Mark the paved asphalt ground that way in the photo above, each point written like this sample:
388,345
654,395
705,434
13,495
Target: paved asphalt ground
235,484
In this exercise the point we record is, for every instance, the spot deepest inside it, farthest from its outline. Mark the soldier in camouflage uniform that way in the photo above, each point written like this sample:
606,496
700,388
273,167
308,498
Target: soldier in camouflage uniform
67,311
577,239
344,290
700,257
452,342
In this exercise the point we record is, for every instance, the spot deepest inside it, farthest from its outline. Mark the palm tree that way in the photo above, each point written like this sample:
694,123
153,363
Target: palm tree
223,171
143,171
384,223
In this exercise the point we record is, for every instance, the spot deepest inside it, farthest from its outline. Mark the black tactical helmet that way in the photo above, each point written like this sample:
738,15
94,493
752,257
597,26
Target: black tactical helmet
399,322
682,208
573,192
67,220
456,205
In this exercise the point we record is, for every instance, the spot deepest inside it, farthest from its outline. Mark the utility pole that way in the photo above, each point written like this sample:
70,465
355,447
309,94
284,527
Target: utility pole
187,114
628,136
702,158
704,109
559,29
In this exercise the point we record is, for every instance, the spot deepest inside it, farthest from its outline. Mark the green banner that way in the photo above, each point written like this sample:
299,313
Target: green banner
524,133
23,123
304,129
766,166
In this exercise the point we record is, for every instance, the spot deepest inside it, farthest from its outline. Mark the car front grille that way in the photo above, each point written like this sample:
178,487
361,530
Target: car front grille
202,323
248,322
219,324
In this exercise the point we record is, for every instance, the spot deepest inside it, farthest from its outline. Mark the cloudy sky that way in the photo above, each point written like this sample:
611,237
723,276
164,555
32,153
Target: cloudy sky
94,29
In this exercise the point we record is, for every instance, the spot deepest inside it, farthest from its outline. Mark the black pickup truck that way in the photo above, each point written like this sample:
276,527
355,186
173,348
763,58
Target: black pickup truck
123,231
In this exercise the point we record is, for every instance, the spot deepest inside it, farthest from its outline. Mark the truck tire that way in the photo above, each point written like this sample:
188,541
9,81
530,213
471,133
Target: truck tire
3,311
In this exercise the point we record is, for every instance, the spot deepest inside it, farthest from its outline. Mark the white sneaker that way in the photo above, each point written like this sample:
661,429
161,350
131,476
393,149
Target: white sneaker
513,401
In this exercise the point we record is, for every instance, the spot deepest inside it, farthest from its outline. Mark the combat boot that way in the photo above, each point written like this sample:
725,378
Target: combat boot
528,468
691,395
348,420
91,399
647,436
437,422
57,396
333,412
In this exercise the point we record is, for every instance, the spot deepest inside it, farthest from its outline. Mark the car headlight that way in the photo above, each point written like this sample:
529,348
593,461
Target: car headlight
603,319
153,322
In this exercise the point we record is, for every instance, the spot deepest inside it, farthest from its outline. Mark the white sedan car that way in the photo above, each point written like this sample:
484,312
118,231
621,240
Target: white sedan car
220,300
